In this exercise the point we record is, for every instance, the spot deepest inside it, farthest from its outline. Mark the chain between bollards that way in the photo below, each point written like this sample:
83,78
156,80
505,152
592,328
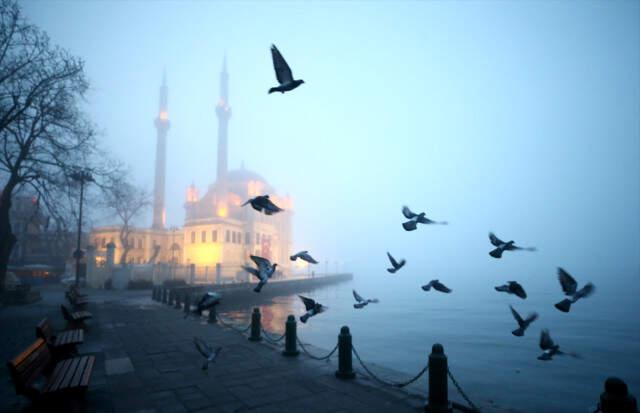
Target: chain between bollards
389,383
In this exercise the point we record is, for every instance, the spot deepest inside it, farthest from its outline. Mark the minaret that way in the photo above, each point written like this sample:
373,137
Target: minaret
223,110
162,126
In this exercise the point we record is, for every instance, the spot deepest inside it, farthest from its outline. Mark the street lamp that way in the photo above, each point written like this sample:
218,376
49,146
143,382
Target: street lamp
81,176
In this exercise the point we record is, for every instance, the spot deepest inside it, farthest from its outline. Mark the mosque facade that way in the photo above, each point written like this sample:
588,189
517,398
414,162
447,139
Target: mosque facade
217,230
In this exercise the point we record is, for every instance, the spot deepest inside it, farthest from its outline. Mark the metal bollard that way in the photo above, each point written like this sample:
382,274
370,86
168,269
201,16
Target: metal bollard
438,382
187,302
212,315
176,295
255,325
165,295
345,367
616,397
153,293
290,332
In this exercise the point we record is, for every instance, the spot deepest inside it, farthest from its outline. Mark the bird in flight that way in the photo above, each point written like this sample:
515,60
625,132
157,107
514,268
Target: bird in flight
415,219
437,285
264,271
262,203
502,246
283,73
207,352
208,300
361,302
570,288
512,287
312,308
523,324
304,256
395,265
550,348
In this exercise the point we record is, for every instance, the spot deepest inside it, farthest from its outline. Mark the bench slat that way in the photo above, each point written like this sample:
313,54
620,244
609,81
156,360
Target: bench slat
87,372
58,375
69,373
77,378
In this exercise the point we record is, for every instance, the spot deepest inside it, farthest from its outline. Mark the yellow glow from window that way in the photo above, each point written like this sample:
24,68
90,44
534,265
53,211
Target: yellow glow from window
202,254
222,211
164,115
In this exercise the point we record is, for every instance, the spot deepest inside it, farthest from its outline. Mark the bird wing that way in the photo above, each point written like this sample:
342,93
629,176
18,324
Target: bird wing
309,303
248,202
407,213
410,225
394,263
441,287
269,205
531,318
495,240
358,297
262,263
424,220
546,342
586,291
567,282
283,71
251,271
517,316
202,347
518,290
308,258
502,288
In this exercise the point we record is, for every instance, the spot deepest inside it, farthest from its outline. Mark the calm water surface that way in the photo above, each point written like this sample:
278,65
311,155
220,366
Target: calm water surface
474,324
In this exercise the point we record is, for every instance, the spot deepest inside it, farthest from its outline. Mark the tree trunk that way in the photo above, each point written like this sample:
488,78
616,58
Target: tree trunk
7,238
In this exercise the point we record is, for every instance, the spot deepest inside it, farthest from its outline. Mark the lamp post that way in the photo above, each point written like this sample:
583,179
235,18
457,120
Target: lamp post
82,176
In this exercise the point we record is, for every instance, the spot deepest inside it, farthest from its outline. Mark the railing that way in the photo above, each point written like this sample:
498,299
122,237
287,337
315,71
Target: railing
437,366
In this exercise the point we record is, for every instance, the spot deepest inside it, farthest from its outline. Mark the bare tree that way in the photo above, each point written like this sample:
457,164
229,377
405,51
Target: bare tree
44,135
127,202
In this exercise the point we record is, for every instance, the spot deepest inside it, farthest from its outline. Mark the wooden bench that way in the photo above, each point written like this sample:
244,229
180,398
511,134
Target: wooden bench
76,299
75,319
63,343
69,377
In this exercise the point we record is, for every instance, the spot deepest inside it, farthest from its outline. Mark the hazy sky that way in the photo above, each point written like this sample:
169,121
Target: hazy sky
517,117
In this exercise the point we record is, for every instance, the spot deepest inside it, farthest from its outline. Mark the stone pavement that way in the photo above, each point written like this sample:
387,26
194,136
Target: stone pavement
146,362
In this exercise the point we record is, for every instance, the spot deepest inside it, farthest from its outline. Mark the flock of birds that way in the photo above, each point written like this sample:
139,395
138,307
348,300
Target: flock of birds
264,269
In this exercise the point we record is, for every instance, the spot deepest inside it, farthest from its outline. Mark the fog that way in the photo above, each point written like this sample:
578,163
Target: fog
514,117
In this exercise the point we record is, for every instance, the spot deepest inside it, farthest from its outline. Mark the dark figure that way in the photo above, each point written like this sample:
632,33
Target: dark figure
502,246
262,203
616,398
312,308
570,288
283,73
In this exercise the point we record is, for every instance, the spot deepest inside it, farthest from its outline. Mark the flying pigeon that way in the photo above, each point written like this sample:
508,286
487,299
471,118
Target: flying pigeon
304,256
437,285
512,287
283,73
208,300
415,219
570,288
522,324
395,265
361,302
207,352
502,246
312,308
262,203
264,272
550,348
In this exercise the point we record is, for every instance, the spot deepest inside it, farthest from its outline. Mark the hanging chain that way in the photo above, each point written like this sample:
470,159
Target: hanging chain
230,325
270,338
389,383
316,357
462,393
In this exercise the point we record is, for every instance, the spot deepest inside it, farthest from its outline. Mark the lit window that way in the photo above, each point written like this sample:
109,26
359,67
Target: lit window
214,236
140,243
227,236
247,238
193,237
203,236
233,237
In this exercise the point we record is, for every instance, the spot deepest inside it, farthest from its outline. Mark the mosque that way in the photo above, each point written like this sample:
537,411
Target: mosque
216,230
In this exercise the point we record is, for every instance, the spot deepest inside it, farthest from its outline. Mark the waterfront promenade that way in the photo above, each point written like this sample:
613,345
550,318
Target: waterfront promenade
146,362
